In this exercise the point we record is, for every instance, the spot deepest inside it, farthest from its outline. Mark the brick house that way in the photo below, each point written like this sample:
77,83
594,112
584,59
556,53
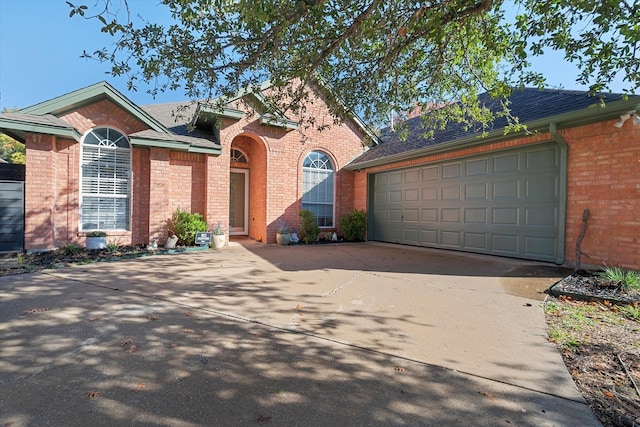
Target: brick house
519,195
97,161
515,194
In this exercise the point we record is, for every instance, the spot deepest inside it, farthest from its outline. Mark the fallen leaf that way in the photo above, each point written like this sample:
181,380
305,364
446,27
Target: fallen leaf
608,394
490,396
93,394
36,310
188,313
263,419
141,386
131,349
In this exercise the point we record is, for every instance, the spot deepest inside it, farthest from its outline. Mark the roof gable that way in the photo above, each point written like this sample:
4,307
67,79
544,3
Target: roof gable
88,95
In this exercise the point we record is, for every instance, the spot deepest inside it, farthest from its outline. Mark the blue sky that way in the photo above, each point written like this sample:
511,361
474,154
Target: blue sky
40,48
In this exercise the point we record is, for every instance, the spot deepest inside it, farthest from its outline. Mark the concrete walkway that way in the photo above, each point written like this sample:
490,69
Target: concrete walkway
349,334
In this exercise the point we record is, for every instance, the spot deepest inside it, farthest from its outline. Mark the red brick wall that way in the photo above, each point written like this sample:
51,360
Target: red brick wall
603,176
40,190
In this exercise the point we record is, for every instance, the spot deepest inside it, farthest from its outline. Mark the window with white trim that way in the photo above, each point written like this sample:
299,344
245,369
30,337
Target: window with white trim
318,187
237,156
105,195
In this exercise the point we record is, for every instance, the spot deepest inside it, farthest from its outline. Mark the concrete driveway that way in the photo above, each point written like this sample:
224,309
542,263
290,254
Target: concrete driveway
350,334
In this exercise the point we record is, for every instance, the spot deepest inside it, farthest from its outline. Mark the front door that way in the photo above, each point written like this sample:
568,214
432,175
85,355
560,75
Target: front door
239,202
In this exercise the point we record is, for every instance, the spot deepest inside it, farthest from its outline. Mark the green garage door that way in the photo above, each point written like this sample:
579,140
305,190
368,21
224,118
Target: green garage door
502,203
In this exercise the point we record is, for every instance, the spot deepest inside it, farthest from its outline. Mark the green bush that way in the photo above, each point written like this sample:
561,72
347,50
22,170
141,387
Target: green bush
71,249
354,225
184,225
309,229
625,280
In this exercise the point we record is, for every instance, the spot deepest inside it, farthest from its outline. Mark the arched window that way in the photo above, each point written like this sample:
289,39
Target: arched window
317,187
238,156
105,199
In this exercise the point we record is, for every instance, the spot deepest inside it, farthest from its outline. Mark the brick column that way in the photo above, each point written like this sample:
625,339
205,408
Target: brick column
159,176
40,195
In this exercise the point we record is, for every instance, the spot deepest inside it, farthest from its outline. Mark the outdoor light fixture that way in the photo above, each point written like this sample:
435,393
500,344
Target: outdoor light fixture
626,116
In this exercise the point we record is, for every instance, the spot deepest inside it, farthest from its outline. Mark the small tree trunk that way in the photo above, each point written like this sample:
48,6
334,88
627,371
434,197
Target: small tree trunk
583,230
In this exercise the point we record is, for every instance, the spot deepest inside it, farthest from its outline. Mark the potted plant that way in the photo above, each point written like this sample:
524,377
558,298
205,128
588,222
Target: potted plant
283,237
218,236
96,240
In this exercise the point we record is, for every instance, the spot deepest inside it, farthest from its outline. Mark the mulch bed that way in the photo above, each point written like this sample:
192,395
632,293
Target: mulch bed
588,286
29,263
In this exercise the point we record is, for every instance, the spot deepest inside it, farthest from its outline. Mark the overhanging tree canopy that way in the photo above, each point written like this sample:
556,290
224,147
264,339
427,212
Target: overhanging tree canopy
374,56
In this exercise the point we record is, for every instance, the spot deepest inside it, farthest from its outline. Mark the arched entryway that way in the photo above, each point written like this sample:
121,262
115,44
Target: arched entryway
247,187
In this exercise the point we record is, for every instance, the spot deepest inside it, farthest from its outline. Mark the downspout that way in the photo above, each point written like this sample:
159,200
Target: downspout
562,197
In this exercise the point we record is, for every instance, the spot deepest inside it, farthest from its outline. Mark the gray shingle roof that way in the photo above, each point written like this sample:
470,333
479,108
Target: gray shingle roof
529,105
175,116
45,120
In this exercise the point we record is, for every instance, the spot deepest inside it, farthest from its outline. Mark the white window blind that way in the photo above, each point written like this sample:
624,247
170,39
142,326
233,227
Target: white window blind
105,190
318,187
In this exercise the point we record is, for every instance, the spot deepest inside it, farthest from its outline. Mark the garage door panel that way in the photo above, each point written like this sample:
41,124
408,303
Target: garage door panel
508,189
451,193
395,215
506,163
545,216
505,244
505,216
410,235
541,187
451,170
412,176
395,196
476,191
395,178
540,246
542,158
411,215
429,215
504,203
430,173
429,194
451,239
412,195
475,241
450,215
429,237
475,216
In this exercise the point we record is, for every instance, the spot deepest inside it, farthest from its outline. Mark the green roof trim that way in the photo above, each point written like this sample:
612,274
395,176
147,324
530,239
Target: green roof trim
89,95
280,122
173,145
20,128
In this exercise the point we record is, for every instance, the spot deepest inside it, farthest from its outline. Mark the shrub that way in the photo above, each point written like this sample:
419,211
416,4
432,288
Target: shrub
625,280
96,234
184,225
71,249
309,229
354,225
